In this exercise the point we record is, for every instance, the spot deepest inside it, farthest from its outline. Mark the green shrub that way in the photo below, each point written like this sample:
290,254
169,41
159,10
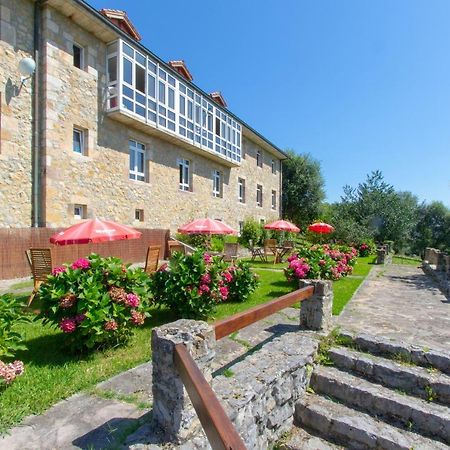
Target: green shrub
192,285
328,262
11,314
366,248
251,231
96,302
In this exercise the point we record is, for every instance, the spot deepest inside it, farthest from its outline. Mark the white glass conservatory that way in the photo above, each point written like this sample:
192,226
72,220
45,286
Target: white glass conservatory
141,88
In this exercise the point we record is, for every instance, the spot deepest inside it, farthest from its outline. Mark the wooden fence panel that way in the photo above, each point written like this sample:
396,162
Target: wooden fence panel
15,241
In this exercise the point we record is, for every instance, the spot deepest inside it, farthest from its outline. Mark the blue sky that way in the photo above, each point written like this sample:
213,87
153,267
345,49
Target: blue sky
359,84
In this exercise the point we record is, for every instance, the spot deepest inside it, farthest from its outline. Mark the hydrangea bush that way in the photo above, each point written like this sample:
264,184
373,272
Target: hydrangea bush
327,262
95,301
366,248
192,285
11,339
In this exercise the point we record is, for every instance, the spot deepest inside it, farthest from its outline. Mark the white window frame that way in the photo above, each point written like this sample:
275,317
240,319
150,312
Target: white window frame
274,199
134,173
274,167
259,195
241,190
139,215
259,158
75,44
217,183
184,171
79,211
82,141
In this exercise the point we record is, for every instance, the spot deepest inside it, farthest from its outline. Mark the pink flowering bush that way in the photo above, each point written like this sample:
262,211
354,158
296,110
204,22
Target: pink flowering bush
192,285
328,262
95,301
9,372
366,248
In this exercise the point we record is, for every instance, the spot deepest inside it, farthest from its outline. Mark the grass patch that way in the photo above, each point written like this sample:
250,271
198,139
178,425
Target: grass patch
343,292
127,398
28,284
363,265
258,264
406,260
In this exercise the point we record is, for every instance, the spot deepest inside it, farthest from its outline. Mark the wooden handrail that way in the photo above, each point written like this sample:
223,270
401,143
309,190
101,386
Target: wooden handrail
231,324
218,427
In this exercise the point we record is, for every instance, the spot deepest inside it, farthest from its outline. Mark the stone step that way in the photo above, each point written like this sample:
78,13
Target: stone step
428,384
425,417
379,345
300,439
354,429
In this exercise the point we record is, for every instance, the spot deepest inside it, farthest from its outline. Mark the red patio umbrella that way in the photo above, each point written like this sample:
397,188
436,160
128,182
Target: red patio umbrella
321,228
94,231
206,226
282,225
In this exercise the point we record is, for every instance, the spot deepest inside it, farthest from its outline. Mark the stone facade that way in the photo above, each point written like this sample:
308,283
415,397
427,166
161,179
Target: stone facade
16,42
99,179
437,265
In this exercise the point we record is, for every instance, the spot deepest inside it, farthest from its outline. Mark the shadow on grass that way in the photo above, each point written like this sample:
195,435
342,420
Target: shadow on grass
52,348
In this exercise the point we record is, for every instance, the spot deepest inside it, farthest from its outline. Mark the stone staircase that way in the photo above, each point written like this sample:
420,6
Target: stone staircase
372,395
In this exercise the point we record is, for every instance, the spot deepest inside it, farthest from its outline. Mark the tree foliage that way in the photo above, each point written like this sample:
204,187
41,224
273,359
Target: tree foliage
375,206
303,188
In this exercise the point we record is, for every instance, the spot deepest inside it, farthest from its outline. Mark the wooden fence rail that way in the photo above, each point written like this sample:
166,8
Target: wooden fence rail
218,427
231,324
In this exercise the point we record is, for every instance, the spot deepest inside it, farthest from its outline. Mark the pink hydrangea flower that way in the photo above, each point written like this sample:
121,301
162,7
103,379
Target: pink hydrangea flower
79,318
228,277
68,325
81,263
204,289
207,258
58,269
10,371
205,279
223,292
132,300
292,257
137,318
110,325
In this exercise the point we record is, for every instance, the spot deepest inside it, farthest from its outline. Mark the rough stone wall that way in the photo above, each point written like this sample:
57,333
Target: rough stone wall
100,180
437,265
16,42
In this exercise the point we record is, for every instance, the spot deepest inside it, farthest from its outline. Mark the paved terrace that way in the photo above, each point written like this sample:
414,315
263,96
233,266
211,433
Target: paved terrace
400,303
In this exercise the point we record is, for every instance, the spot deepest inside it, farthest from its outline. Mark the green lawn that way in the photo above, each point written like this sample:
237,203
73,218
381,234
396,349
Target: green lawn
406,260
363,265
51,373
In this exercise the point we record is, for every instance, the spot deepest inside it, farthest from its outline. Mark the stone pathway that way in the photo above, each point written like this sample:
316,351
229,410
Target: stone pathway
400,303
116,408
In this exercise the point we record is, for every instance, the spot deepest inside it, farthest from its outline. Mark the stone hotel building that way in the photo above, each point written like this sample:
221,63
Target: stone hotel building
104,128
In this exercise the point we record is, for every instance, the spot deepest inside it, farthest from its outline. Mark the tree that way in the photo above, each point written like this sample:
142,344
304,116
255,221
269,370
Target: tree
303,188
433,227
383,212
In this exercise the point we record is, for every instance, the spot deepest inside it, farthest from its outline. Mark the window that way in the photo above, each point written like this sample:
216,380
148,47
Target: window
259,161
79,211
137,158
78,141
185,174
262,222
139,215
78,56
241,228
274,199
159,97
217,184
274,167
241,190
259,195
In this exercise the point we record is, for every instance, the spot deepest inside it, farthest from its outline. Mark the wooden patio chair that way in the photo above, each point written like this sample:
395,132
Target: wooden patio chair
152,258
257,252
175,246
230,251
270,248
40,261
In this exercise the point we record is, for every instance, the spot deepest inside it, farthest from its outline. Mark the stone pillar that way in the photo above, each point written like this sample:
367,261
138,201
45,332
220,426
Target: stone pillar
381,255
172,409
316,312
440,263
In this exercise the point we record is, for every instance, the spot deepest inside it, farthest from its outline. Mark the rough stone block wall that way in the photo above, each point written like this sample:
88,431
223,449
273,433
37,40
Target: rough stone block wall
75,97
437,265
16,42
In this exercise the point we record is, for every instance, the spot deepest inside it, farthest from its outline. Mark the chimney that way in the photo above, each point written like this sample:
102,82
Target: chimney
182,69
121,20
218,98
